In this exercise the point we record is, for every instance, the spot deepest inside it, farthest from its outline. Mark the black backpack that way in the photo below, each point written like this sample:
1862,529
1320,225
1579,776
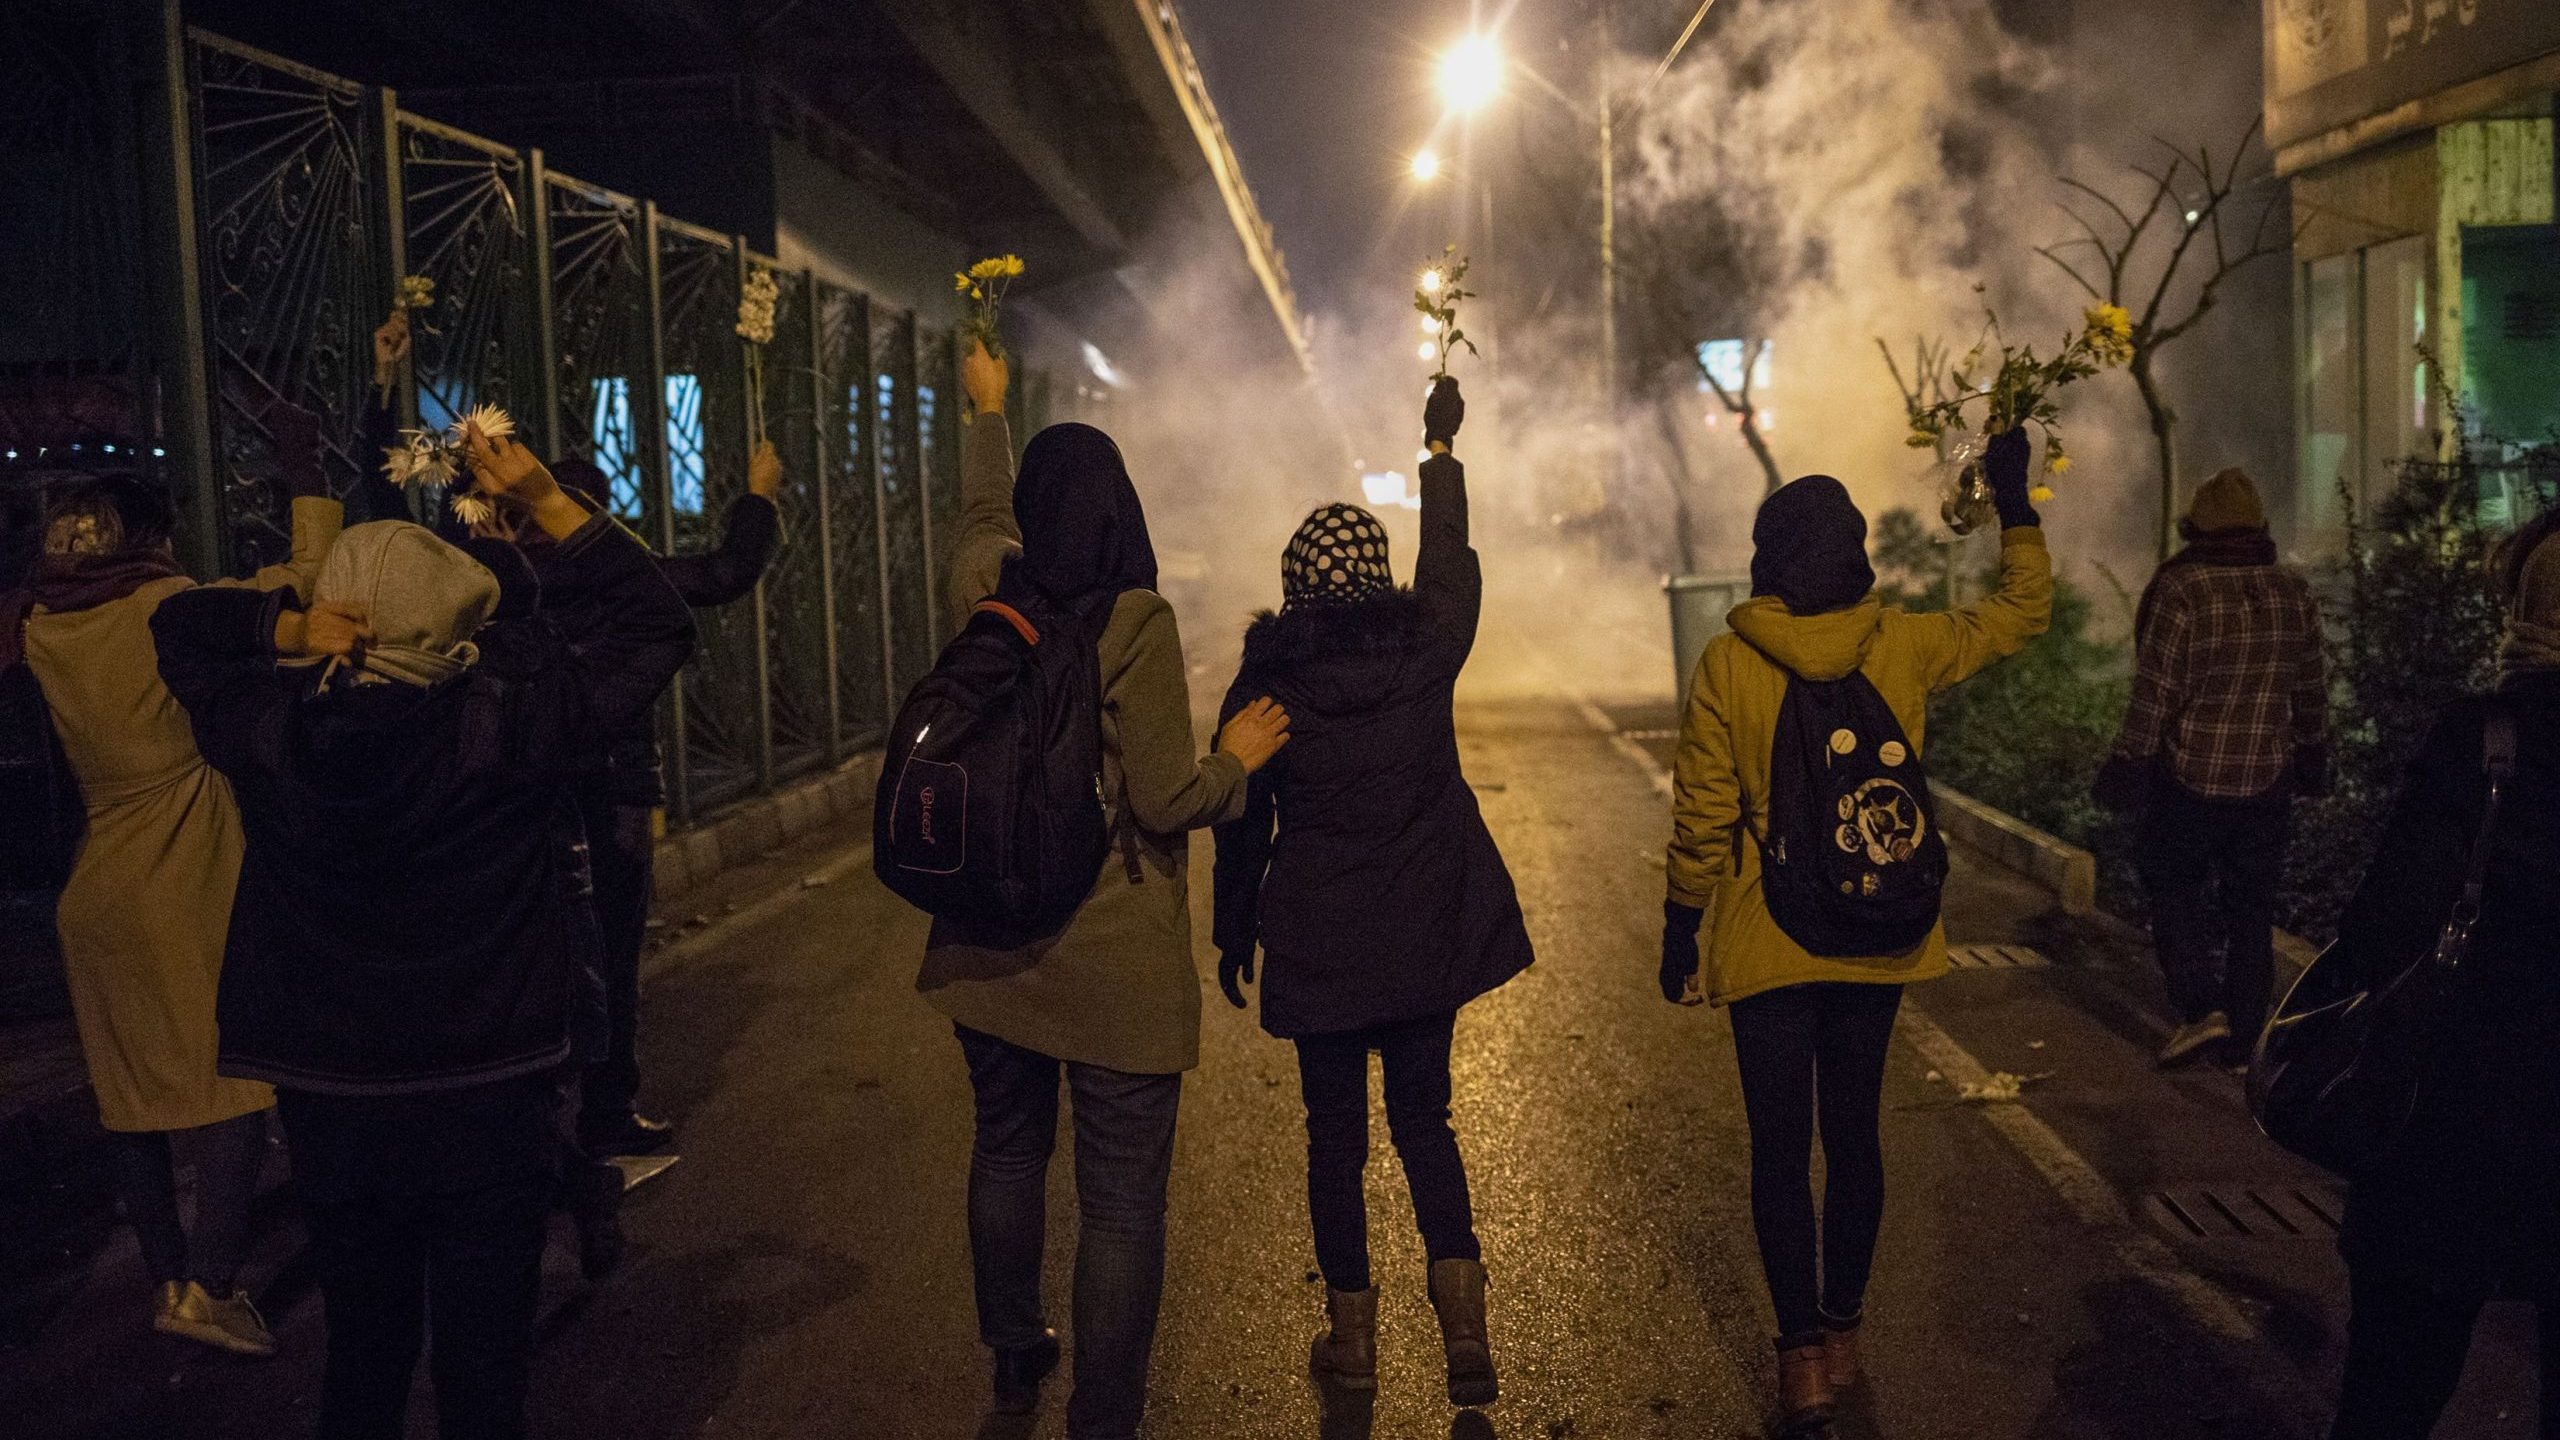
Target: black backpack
1853,864
990,805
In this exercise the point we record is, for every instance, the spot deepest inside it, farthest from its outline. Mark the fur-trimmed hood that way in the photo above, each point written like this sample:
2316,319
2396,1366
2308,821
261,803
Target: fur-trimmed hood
1342,658
1386,623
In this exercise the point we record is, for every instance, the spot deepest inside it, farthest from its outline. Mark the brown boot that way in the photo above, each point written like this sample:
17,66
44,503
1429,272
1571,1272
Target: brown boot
1805,1404
1840,1362
1457,1293
1345,1352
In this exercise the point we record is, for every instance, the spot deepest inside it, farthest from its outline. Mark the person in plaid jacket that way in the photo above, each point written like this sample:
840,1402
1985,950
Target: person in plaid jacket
2228,722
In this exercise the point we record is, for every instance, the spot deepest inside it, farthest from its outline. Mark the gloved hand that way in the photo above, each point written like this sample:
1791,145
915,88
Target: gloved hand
296,433
1443,413
2004,465
1679,974
1235,971
2123,784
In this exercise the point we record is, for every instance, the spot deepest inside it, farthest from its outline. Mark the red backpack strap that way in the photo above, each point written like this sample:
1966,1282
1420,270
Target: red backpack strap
1029,632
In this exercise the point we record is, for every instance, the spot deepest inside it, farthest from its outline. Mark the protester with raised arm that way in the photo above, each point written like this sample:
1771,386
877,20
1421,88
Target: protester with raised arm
143,915
1381,904
1110,997
411,924
1803,843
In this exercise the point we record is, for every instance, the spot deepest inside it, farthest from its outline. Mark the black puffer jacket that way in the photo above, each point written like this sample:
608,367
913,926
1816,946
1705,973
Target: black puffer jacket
2475,1193
412,913
1382,896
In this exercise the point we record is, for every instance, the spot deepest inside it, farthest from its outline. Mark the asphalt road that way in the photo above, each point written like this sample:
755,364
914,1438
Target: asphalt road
802,1272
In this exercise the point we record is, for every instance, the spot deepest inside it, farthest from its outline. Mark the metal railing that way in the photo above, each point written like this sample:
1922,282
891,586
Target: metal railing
606,328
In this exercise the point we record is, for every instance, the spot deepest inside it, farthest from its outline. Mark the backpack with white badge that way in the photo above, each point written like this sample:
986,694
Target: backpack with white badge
1853,864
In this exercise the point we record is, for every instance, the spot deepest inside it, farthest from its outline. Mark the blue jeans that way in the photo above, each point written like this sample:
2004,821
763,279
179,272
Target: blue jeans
1124,1157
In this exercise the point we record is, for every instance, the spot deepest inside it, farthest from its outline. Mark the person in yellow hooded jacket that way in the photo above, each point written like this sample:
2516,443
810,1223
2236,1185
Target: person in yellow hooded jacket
1799,1015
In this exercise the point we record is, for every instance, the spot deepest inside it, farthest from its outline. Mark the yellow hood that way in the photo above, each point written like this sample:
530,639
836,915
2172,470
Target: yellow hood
1818,647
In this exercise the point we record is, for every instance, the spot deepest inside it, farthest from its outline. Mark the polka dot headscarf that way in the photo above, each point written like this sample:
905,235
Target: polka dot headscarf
1338,555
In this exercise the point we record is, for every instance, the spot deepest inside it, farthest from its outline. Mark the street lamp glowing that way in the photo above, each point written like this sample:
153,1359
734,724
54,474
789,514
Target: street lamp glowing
1430,324
1426,165
1427,351
1431,281
1471,73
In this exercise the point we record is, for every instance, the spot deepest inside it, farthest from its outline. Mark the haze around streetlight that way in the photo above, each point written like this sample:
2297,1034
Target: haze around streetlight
1471,73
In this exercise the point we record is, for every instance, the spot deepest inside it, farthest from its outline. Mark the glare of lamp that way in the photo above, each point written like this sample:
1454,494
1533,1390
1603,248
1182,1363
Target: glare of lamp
1471,73
1426,165
1430,324
1426,350
1431,281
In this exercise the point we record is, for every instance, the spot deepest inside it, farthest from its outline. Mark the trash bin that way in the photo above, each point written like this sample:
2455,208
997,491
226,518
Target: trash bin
1698,606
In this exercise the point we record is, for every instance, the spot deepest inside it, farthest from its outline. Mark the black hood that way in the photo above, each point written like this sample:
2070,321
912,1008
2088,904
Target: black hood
1809,547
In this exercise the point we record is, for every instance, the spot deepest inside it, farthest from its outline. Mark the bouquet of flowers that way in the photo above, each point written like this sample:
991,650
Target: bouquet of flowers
1436,297
435,458
983,286
756,299
2020,389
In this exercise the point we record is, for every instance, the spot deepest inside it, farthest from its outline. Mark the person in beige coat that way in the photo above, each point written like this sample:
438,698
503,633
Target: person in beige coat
1112,997
144,914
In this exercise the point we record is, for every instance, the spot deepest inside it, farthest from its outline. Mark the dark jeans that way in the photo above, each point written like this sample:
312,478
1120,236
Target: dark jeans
1805,1048
622,858
1333,1075
228,1156
1124,1156
427,1215
2407,1339
2190,847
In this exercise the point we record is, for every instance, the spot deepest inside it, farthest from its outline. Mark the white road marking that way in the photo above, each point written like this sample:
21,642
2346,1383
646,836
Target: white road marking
2083,1191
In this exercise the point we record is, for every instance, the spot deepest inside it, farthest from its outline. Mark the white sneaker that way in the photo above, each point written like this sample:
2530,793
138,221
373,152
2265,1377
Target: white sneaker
2193,1036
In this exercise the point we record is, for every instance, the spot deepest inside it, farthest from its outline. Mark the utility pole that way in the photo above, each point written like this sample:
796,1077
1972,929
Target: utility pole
1608,268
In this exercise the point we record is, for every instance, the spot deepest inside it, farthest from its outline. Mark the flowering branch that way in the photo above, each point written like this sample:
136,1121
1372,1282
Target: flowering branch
2019,389
757,295
1437,296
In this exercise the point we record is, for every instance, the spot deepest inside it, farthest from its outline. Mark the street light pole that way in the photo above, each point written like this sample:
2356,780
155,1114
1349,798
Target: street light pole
1608,268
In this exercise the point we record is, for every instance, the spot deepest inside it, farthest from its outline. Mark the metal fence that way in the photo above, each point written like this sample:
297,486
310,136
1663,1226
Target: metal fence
606,328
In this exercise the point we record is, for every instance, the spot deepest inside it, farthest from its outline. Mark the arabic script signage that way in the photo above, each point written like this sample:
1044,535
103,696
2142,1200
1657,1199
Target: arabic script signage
2331,62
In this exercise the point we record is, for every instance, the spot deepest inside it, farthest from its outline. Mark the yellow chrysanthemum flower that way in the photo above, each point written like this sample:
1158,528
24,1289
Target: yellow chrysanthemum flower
1012,266
960,281
2039,494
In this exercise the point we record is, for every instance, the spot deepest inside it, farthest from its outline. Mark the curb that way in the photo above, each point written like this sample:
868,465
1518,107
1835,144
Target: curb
2070,872
754,828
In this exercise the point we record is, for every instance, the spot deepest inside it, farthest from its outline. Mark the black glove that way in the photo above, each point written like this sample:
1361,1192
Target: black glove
1680,951
2004,465
2123,784
1444,412
296,434
1235,971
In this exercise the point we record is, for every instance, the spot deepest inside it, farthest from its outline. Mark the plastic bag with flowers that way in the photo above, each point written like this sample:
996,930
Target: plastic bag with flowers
2019,390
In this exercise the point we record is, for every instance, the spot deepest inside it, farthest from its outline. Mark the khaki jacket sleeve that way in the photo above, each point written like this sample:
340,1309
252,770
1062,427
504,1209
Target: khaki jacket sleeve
1706,795
316,522
1951,646
1171,786
987,532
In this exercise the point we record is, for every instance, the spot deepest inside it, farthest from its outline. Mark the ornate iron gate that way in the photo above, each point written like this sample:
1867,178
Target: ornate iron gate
608,330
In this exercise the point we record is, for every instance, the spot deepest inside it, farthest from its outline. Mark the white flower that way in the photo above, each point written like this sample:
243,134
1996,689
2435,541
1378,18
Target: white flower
492,423
471,509
756,300
399,464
